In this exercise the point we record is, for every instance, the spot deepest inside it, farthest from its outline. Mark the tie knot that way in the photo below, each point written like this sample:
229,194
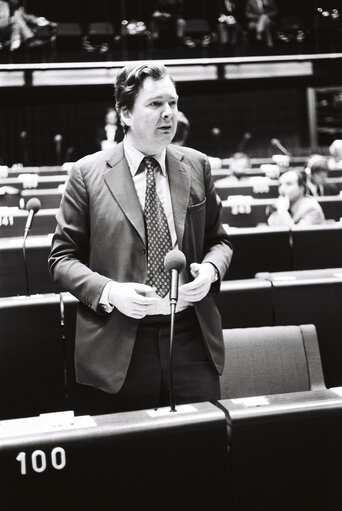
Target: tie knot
150,163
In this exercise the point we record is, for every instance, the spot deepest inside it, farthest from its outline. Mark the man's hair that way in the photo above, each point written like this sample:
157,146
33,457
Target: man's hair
301,178
129,81
317,163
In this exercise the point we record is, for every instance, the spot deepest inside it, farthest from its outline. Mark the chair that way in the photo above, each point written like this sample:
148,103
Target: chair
198,31
68,36
271,360
100,36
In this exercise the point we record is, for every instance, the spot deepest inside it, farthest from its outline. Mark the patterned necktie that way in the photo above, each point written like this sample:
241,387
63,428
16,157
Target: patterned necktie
158,234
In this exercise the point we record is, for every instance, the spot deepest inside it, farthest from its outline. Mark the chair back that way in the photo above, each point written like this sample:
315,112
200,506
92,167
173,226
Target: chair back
271,360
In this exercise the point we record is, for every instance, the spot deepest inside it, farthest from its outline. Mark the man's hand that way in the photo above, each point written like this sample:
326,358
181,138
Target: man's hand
132,299
204,275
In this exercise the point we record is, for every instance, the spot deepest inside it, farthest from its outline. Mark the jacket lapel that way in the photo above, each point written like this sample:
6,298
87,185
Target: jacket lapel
121,185
179,174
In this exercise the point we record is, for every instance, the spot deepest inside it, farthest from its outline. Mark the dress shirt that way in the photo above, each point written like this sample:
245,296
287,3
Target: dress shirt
134,159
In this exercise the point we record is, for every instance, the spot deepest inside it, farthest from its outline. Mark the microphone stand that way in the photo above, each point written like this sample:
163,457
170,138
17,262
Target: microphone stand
25,264
172,390
173,303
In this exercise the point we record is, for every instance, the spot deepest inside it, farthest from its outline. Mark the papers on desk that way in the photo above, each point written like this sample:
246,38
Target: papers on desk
251,401
44,423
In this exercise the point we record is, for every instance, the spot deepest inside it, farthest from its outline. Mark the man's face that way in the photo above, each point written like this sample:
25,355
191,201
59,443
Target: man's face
288,186
153,120
319,178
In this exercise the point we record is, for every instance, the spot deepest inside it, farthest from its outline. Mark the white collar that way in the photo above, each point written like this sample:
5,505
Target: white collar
134,157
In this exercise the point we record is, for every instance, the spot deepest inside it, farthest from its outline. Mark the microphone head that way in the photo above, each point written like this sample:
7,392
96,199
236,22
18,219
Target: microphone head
275,141
23,134
58,138
174,260
33,205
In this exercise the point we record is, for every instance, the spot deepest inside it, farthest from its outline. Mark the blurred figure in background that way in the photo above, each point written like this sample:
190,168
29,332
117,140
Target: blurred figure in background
228,26
168,18
293,206
335,149
261,16
182,131
317,171
239,164
21,27
111,133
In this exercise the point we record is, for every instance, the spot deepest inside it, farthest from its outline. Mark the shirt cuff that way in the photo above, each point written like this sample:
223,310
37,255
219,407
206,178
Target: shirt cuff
104,304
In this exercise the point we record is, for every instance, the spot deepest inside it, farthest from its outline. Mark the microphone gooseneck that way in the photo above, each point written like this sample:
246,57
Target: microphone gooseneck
276,143
174,262
243,142
32,206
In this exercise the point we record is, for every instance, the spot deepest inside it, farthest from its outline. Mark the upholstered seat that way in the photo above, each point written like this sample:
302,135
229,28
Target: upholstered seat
271,360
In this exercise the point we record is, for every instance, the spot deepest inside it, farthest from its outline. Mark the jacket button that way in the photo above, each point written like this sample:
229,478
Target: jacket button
144,250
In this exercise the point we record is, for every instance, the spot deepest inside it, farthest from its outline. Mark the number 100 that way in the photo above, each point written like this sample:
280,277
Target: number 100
38,460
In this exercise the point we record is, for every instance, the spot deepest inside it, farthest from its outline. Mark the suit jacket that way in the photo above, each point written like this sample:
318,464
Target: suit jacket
305,211
252,10
100,236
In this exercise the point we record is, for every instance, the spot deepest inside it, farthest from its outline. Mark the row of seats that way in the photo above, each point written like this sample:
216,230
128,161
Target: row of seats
37,334
258,449
258,249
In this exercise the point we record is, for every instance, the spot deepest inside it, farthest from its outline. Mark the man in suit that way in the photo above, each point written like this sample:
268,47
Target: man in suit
317,170
294,207
119,215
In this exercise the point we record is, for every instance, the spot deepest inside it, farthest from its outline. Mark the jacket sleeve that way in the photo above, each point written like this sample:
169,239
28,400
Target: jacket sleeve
68,259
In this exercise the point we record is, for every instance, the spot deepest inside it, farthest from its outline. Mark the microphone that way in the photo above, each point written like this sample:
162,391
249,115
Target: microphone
175,263
68,154
243,142
276,143
58,145
32,206
23,140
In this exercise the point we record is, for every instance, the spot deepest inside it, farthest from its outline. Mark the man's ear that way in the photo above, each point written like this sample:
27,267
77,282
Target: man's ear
125,117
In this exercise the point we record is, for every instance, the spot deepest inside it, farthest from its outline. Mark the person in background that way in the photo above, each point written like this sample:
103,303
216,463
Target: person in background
122,211
111,133
317,170
293,206
21,27
335,149
169,13
228,26
261,15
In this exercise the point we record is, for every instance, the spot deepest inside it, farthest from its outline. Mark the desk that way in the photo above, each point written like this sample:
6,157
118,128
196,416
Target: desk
12,272
128,461
284,451
44,223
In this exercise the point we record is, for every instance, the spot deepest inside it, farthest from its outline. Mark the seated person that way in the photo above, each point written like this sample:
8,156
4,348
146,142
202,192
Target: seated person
293,206
317,170
182,131
111,133
21,26
335,149
239,164
261,16
228,26
168,12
